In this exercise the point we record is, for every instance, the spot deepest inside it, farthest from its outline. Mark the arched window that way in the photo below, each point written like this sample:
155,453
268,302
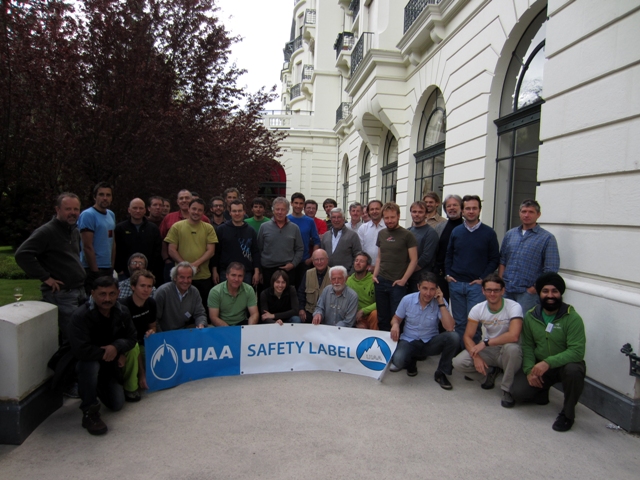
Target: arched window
431,146
345,185
389,169
519,126
365,176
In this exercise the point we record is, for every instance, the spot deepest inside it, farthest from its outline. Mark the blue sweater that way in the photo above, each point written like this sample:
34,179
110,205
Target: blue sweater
308,231
472,255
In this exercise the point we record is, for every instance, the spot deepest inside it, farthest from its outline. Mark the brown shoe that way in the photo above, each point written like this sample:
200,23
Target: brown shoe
92,422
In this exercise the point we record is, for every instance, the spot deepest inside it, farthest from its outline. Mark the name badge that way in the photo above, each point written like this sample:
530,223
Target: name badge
549,328
187,314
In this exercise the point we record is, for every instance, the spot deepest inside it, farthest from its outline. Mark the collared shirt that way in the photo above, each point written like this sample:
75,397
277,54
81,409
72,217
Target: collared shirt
526,255
180,295
335,238
339,310
355,227
471,229
435,220
368,234
419,323
232,309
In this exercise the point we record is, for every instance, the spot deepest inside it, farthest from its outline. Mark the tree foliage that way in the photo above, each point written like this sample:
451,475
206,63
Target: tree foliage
139,93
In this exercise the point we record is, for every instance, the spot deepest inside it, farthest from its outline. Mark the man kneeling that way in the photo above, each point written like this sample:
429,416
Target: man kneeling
420,339
101,333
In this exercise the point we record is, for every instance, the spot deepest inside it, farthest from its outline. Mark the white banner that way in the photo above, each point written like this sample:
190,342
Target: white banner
302,347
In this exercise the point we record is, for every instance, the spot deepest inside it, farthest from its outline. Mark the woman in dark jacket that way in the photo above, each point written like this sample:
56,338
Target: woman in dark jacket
279,303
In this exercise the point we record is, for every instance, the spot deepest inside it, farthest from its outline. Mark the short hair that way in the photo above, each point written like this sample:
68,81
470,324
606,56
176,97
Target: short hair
231,190
428,277
468,198
297,195
259,201
100,185
195,194
337,210
174,270
280,200
364,254
374,201
454,197
199,201
338,268
64,195
155,197
279,274
495,278
391,206
237,202
105,281
432,195
420,204
235,266
183,190
355,205
139,255
311,202
166,200
329,200
135,276
530,202
217,197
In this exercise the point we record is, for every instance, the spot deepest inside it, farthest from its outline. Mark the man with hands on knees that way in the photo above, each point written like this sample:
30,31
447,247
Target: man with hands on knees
421,313
499,349
230,301
338,304
178,303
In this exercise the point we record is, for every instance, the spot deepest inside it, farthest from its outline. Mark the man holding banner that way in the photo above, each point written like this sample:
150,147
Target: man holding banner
229,301
178,303
420,339
338,305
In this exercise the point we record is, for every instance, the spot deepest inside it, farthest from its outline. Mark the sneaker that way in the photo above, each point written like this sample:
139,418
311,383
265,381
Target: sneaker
562,423
412,370
442,379
92,422
72,391
393,368
132,396
468,379
507,400
490,381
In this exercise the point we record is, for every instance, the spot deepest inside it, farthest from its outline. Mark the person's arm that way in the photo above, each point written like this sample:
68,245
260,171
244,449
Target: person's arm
214,316
528,348
467,338
446,318
413,261
302,299
448,259
576,340
113,256
551,256
27,259
173,253
129,336
376,269
254,315
266,316
428,249
89,252
80,338
298,248
395,327
501,270
208,253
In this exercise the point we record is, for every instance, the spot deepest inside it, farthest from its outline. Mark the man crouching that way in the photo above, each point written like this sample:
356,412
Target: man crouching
100,334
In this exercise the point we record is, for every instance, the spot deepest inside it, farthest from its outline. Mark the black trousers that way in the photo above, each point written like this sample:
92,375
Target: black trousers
572,377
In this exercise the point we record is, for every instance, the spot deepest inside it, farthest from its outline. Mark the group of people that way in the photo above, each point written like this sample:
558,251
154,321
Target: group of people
117,283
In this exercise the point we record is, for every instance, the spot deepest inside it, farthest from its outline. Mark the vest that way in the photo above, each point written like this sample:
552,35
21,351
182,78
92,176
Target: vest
313,290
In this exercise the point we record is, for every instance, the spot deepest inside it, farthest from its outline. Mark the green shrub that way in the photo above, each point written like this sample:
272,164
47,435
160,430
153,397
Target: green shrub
10,269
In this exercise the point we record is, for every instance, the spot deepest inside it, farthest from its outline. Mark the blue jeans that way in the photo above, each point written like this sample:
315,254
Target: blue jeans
98,379
67,301
463,298
444,344
294,319
526,300
387,300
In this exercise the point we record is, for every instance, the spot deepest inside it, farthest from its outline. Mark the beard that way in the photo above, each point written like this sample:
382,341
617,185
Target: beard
551,304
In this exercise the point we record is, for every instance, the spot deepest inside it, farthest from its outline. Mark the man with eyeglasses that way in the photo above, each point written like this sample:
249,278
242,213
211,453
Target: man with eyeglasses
313,284
137,261
499,349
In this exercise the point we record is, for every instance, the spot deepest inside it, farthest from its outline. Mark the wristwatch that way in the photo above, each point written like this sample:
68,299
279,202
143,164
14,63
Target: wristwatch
486,342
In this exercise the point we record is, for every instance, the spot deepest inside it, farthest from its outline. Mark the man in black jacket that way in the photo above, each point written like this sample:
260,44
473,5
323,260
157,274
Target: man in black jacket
101,333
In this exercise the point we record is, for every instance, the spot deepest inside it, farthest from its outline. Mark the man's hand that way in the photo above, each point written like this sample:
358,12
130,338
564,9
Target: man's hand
267,316
303,315
400,283
439,295
359,315
279,322
476,349
476,282
215,276
255,280
534,381
374,278
395,332
110,353
479,363
54,284
317,318
121,360
450,279
539,369
287,267
532,290
151,331
201,325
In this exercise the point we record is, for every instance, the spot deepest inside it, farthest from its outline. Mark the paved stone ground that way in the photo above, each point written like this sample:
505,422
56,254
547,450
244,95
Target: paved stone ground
325,425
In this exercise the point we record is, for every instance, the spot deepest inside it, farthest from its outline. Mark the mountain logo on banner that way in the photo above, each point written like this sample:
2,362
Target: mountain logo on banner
374,353
164,362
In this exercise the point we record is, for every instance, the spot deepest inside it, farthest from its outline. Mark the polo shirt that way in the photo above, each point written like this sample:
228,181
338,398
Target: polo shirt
232,310
192,241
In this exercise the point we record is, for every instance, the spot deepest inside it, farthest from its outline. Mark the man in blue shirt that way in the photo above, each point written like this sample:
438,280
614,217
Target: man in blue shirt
420,339
527,252
309,232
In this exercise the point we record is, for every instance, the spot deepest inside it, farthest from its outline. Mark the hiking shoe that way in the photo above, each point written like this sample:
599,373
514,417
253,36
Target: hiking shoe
393,368
132,396
442,379
562,423
92,422
490,381
72,391
468,379
412,370
507,400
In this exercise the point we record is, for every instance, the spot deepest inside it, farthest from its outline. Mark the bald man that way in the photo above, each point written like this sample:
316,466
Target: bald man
137,235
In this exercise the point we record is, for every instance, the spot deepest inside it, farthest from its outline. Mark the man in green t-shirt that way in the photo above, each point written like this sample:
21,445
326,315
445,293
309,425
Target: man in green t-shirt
553,347
233,302
258,208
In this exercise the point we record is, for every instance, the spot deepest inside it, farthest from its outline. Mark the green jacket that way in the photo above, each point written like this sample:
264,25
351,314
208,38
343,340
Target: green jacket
565,344
366,292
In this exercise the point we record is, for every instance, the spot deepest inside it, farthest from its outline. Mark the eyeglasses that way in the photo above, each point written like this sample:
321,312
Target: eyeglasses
138,264
492,290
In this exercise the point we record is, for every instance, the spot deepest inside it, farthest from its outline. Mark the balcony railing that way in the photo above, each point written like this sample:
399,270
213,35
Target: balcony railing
359,51
344,41
413,9
309,17
297,43
307,72
295,91
288,50
354,6
343,111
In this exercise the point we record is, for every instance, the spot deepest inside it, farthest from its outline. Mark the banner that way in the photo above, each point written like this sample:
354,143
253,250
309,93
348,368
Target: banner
180,356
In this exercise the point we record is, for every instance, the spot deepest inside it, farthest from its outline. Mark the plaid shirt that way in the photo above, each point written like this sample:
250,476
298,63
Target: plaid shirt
125,289
527,256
